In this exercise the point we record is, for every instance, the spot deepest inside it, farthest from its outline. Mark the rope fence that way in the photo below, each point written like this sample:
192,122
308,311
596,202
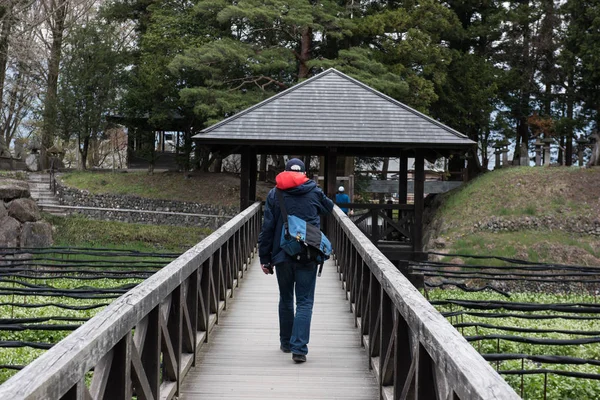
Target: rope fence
47,293
558,325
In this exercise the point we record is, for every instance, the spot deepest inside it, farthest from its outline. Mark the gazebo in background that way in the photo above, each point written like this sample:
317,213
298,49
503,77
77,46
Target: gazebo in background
334,115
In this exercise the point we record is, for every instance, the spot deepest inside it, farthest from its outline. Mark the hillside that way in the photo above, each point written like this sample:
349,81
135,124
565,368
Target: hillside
538,214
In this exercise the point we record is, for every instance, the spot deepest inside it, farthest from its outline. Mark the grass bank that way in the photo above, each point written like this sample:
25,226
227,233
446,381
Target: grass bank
221,189
560,195
77,231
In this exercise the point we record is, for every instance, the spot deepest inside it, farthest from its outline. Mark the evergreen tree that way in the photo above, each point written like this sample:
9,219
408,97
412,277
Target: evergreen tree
582,48
468,97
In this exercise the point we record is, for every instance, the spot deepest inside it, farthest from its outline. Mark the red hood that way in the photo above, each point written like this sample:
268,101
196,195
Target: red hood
290,179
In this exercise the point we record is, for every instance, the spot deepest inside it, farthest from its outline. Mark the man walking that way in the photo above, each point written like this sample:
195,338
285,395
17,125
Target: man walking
342,198
305,200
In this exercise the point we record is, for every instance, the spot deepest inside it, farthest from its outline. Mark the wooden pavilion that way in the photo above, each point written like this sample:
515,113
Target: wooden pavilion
332,115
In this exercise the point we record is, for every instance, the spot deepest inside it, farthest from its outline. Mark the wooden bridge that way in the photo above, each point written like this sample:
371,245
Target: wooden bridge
205,327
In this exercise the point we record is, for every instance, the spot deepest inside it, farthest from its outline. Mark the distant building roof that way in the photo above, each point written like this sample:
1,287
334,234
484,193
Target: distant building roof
333,109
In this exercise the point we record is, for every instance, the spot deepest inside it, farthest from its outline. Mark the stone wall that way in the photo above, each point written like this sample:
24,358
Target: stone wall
581,225
140,210
20,220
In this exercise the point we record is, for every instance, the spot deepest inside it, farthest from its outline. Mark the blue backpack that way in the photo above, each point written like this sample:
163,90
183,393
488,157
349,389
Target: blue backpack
304,242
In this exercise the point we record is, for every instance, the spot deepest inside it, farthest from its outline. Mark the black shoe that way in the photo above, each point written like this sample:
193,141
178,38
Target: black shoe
299,358
284,349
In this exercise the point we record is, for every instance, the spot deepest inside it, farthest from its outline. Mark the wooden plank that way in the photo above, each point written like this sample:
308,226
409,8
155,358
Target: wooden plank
243,360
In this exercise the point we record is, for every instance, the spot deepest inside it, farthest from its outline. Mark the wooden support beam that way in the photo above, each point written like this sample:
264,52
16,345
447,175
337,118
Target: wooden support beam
330,172
252,168
403,179
262,171
244,180
419,202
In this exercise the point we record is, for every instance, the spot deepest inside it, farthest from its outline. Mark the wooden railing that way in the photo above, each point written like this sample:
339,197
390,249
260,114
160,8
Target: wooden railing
384,222
413,350
145,342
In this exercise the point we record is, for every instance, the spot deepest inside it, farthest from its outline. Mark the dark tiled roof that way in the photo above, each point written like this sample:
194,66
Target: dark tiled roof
333,107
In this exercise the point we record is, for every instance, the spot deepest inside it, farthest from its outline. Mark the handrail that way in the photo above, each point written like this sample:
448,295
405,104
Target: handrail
146,340
414,351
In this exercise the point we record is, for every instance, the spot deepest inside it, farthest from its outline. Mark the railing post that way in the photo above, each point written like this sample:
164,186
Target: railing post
118,384
426,382
191,315
403,360
387,342
149,347
175,330
374,226
374,316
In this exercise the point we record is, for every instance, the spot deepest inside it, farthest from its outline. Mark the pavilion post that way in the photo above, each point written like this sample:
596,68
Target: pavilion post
330,171
419,193
403,179
252,160
262,171
244,179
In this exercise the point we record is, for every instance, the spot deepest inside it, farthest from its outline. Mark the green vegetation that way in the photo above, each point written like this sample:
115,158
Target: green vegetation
132,183
76,231
558,387
13,175
220,189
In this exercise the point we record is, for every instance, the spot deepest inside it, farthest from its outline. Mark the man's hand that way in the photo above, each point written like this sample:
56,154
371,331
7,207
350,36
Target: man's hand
267,269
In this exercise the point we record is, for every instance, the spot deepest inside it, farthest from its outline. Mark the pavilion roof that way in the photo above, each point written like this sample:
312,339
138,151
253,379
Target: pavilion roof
334,110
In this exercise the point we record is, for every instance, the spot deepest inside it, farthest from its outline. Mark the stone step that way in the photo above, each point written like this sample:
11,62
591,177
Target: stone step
46,200
61,212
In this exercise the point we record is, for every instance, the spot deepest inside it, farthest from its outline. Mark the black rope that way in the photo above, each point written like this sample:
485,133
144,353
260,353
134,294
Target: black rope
495,274
520,339
40,319
125,275
540,358
82,250
15,367
510,260
549,371
38,327
540,280
522,316
85,263
18,343
526,330
491,305
64,306
83,289
52,294
531,266
466,288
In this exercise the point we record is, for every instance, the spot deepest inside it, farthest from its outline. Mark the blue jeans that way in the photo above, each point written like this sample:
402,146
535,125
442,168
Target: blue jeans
294,331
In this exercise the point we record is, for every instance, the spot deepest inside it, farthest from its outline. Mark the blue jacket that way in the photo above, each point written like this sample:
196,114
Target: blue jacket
303,199
342,198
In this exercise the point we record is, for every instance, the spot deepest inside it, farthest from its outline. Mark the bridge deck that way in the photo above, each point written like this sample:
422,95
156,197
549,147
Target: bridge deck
243,360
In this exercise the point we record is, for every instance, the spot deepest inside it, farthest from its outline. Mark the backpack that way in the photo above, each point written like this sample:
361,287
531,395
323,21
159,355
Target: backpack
304,242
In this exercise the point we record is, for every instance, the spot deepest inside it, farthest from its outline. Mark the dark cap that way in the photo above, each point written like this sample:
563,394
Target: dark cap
295,165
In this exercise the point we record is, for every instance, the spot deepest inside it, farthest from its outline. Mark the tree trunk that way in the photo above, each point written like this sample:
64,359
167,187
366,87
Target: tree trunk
84,152
7,21
49,126
305,54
